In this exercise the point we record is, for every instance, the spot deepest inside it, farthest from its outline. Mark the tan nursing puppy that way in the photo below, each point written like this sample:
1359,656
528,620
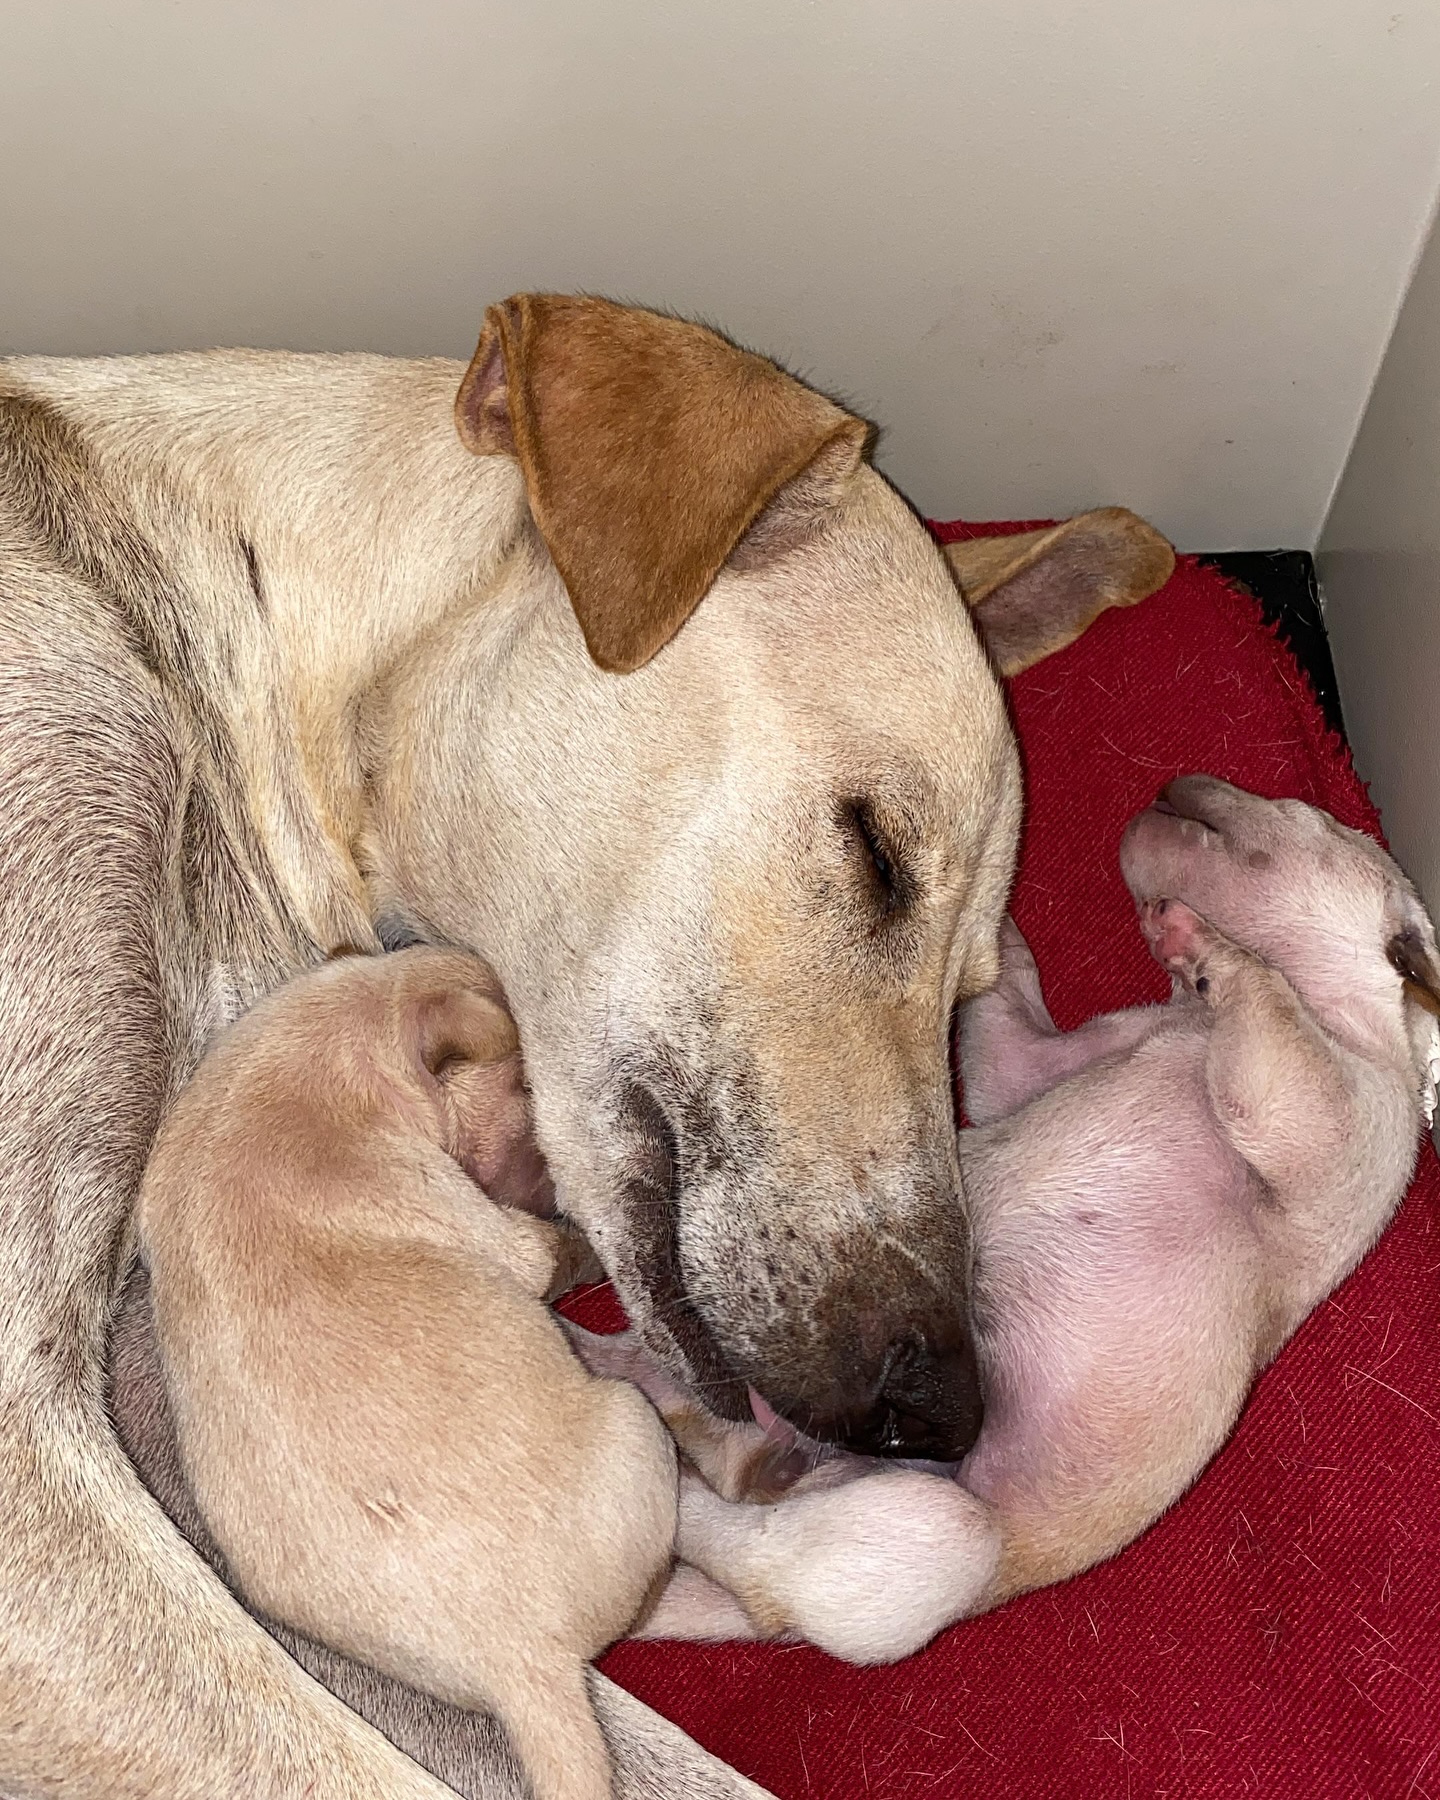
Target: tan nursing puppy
382,1424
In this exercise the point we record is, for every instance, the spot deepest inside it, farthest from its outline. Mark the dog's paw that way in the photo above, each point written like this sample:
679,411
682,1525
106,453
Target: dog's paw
1184,945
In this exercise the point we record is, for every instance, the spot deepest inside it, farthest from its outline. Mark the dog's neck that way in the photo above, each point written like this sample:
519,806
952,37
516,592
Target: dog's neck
317,516
387,556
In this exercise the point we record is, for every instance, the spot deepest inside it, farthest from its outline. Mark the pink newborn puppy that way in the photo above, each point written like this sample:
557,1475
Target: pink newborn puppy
1158,1200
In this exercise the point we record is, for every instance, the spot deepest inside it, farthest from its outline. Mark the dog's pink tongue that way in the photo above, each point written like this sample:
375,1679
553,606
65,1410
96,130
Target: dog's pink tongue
776,1430
764,1413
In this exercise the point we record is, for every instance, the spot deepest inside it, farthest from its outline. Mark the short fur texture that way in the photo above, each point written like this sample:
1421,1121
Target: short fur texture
541,387
284,667
1158,1200
382,1424
1036,591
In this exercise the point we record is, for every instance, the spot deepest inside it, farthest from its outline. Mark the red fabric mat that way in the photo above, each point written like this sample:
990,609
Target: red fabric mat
1278,1633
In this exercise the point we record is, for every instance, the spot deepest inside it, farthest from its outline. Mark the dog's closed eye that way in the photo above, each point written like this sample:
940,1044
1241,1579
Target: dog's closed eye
892,886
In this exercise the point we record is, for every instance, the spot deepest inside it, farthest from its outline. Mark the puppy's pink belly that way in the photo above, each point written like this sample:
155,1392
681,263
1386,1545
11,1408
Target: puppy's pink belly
1110,1306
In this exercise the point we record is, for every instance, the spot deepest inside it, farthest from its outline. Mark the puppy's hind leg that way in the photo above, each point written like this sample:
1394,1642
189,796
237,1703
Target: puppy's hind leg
652,1759
552,1727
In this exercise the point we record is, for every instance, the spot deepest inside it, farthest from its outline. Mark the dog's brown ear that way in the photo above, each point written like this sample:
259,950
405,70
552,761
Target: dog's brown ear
1412,960
649,447
1033,593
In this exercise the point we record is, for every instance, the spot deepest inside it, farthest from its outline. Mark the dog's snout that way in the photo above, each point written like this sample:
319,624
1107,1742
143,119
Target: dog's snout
926,1401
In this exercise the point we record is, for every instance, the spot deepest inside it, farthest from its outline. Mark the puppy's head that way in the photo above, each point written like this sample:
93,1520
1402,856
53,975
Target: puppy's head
442,1040
1325,905
455,1029
495,1132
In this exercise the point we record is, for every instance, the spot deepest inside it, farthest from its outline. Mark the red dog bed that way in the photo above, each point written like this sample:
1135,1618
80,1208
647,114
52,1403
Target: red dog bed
1278,1633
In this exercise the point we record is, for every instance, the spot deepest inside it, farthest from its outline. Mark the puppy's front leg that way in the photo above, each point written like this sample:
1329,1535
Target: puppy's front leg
1278,1084
547,1257
1311,1119
1010,1049
693,1607
741,1461
576,1264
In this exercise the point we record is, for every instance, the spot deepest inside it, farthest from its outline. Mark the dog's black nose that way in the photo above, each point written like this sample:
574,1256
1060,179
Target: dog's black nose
927,1403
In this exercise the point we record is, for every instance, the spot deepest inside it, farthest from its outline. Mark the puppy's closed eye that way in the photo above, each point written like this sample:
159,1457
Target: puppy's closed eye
1416,968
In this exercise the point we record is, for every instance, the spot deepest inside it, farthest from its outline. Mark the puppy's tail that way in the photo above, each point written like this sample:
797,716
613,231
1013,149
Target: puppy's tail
555,1735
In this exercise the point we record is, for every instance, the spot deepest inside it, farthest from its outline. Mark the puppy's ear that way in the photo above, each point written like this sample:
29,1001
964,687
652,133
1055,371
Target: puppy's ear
1034,593
649,447
1414,962
462,1025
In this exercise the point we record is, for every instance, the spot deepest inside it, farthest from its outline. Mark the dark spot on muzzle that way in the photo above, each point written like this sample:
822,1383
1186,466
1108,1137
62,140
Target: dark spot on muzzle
651,1207
919,1398
865,1343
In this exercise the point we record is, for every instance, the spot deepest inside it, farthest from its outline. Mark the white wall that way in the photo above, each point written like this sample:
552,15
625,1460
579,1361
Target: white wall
1379,565
1066,250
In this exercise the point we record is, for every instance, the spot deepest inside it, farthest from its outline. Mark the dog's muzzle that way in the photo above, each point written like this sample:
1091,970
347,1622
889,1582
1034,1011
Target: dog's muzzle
894,1372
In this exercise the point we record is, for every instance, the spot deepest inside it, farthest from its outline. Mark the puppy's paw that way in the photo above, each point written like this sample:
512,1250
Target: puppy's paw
576,1264
1182,943
1018,973
1017,994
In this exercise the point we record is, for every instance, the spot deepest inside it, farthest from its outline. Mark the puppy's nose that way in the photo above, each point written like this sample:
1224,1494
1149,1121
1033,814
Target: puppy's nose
927,1403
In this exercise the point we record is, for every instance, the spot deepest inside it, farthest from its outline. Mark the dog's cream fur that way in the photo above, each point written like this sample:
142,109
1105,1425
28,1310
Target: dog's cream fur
282,667
385,1431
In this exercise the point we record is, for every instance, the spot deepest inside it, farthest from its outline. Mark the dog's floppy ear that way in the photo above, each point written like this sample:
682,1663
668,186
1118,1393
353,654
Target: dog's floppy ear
1414,962
1033,593
649,446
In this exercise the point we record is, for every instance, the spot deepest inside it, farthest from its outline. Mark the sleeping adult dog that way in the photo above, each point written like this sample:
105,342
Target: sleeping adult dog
285,664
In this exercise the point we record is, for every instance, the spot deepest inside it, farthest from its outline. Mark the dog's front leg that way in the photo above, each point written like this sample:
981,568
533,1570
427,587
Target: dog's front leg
127,1671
